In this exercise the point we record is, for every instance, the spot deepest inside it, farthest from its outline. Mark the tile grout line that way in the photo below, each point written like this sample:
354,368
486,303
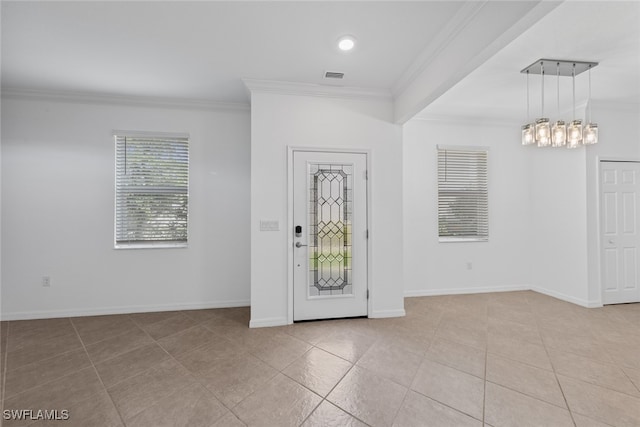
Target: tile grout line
637,386
616,363
605,386
407,388
537,367
330,391
484,383
537,316
448,406
154,341
111,337
38,342
424,357
4,372
191,374
555,374
229,408
527,395
41,361
36,361
96,372
353,364
313,346
431,398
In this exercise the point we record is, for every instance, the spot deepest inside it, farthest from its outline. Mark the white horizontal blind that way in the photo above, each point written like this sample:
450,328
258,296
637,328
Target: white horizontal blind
152,190
463,200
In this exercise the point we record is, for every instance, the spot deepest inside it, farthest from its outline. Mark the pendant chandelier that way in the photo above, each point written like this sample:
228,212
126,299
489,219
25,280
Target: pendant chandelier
540,131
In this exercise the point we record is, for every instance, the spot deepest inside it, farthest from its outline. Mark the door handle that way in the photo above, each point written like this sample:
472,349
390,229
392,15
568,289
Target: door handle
612,241
299,245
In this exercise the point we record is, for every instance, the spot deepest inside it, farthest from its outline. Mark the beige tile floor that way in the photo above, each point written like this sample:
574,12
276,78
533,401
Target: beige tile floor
505,359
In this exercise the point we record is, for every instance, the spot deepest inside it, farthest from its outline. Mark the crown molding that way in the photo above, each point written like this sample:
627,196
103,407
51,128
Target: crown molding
309,89
469,120
138,101
508,120
450,60
459,22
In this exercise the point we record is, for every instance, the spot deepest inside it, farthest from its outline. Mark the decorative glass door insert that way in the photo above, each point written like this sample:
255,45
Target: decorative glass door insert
330,209
329,254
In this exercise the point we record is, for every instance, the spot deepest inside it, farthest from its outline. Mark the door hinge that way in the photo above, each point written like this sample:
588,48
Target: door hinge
366,174
366,234
367,293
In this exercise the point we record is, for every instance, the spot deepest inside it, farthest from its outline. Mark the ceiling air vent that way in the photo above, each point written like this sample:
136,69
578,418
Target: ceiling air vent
333,75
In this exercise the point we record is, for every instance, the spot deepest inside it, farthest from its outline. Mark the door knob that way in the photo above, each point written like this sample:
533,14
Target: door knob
299,245
612,241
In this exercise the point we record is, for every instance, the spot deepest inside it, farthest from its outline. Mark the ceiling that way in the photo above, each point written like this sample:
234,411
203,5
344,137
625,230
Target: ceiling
607,32
202,50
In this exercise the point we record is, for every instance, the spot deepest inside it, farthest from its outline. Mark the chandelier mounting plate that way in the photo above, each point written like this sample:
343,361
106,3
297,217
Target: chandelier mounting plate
566,67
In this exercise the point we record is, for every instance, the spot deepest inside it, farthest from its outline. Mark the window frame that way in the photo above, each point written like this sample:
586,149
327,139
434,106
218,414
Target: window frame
483,183
150,244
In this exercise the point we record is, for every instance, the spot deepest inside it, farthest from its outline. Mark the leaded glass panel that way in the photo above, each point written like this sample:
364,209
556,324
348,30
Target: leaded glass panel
330,215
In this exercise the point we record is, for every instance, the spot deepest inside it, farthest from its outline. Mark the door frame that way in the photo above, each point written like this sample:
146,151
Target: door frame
289,241
599,242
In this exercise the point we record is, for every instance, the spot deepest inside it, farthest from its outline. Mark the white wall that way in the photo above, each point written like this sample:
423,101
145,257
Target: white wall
565,192
279,121
58,202
57,207
543,206
619,136
502,263
559,227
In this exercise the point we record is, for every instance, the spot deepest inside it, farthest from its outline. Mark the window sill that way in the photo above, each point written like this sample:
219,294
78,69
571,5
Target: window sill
462,239
163,245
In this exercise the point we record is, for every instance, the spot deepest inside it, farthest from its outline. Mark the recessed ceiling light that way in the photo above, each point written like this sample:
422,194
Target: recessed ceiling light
346,43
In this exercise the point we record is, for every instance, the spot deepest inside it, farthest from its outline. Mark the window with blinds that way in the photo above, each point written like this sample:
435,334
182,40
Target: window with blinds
463,200
152,190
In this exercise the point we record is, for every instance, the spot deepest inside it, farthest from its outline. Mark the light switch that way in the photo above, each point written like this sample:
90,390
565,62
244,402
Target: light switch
269,225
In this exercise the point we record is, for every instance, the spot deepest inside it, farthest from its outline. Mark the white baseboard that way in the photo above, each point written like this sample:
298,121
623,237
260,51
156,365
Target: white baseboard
567,298
49,314
381,314
458,291
280,321
268,322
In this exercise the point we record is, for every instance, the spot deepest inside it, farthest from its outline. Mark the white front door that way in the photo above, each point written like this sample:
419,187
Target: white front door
620,236
330,235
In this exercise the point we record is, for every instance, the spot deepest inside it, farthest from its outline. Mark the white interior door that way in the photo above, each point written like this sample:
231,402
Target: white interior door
620,237
330,235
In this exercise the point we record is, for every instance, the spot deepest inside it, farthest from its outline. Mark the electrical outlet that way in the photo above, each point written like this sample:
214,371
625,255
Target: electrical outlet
46,281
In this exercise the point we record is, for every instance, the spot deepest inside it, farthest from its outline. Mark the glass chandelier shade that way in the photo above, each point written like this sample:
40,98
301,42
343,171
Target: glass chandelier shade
590,131
543,128
528,134
558,133
543,132
574,131
574,134
559,128
528,130
590,134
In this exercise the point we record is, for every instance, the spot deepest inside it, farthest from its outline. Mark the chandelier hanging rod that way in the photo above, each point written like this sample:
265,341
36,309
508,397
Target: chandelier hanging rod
565,67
